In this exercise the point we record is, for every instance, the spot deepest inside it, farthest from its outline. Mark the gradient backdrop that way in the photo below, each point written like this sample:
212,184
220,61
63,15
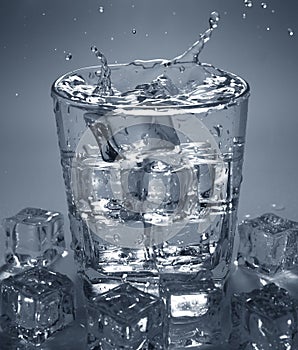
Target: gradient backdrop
35,35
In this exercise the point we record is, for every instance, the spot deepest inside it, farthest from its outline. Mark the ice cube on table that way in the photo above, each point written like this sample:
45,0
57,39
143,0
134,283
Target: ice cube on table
265,318
125,318
193,307
35,304
34,237
268,243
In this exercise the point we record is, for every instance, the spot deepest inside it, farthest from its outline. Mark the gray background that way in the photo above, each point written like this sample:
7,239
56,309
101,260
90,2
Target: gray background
35,33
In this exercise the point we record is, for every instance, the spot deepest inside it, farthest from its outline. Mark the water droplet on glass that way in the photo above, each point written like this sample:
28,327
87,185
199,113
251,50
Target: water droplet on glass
264,5
101,9
278,207
94,48
244,15
218,129
116,237
248,3
290,32
68,57
134,31
214,19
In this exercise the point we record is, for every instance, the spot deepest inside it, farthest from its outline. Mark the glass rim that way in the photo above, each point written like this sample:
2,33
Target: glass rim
199,106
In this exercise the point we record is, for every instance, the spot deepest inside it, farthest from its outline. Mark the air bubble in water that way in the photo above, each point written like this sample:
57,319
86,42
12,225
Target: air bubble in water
290,32
214,19
248,3
264,5
101,9
68,56
94,49
134,31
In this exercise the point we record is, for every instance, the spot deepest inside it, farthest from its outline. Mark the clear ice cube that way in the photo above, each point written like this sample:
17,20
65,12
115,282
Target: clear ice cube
193,306
264,319
35,304
268,243
120,138
34,237
125,318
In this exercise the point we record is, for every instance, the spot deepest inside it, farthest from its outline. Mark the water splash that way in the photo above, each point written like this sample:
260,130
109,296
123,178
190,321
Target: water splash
104,86
208,86
193,53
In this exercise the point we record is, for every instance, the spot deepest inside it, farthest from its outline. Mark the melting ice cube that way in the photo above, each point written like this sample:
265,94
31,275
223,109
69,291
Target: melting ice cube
125,318
35,304
268,243
34,237
264,319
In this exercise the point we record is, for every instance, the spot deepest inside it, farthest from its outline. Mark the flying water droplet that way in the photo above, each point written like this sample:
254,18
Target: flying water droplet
75,19
244,15
214,19
174,13
101,9
17,94
134,31
43,14
68,56
146,35
278,207
112,38
290,32
248,3
268,28
94,49
264,5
